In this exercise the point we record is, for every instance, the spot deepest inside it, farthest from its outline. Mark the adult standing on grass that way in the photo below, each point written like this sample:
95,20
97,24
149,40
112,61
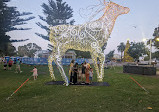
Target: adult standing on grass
15,61
10,63
87,73
75,68
5,64
18,66
71,71
83,72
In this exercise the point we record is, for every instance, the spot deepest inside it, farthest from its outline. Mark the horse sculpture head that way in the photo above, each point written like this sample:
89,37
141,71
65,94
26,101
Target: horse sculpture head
111,12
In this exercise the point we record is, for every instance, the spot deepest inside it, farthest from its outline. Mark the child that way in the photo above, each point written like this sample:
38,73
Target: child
35,71
91,75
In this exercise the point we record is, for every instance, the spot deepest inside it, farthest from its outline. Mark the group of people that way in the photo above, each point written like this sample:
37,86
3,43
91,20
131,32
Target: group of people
17,62
80,74
10,64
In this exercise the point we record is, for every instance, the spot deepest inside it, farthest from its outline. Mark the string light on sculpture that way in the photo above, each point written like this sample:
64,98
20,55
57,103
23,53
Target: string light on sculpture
86,37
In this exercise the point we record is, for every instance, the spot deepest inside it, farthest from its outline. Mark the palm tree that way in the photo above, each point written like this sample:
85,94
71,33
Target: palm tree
121,48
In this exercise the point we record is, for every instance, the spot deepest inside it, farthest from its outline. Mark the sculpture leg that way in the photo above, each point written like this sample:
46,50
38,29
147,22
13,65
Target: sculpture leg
102,60
94,58
50,60
60,67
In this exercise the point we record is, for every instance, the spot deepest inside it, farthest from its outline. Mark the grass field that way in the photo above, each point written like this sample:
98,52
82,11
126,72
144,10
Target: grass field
122,96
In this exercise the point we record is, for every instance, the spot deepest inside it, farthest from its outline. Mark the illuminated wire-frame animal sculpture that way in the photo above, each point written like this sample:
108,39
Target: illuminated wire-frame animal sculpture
86,37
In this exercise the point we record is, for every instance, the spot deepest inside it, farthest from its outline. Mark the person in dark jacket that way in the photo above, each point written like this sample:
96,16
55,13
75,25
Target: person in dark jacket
75,69
71,72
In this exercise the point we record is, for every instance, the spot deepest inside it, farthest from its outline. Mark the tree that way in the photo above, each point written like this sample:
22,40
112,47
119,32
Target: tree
110,55
137,49
155,40
28,50
121,48
81,54
104,46
57,13
146,58
10,18
8,49
155,55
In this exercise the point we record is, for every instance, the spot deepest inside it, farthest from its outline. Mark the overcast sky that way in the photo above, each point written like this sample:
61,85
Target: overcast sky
144,15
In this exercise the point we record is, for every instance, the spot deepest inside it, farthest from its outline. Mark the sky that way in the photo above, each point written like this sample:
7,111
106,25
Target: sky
144,15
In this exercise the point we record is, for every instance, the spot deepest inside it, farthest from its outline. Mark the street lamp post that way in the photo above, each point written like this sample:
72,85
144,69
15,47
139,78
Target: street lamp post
150,60
157,39
150,51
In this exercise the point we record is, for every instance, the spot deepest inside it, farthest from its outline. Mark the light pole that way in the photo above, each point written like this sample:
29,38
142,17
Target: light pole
157,39
150,51
144,40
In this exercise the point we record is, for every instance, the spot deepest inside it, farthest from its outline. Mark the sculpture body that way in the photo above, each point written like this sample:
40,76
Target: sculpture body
86,37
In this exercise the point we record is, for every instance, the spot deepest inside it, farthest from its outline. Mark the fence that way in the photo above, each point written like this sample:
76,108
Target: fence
44,61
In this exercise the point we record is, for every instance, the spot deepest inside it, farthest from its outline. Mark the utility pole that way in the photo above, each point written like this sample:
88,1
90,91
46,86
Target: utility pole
150,51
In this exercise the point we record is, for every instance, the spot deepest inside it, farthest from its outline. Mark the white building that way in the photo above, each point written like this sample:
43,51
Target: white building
70,54
117,56
42,54
46,53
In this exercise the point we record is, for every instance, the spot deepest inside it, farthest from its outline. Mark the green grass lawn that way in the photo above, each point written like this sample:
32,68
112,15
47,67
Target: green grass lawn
122,96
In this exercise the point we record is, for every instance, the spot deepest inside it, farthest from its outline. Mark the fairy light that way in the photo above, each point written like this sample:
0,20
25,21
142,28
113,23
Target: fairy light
86,37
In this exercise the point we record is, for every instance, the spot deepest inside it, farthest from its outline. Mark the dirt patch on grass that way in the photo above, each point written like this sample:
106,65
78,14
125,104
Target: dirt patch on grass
42,73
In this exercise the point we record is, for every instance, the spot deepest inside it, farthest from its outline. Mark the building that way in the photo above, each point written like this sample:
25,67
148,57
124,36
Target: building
116,56
70,54
42,54
46,54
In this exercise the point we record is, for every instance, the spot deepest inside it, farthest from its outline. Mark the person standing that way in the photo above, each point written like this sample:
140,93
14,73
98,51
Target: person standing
75,69
83,72
5,64
10,63
35,72
18,66
91,75
15,61
71,71
87,73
